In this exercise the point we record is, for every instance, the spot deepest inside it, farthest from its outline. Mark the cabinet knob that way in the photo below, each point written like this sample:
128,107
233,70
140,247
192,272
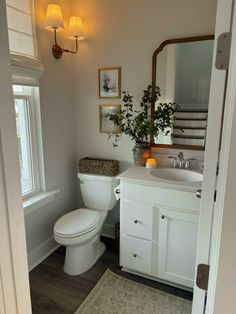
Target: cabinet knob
163,217
199,193
137,221
135,255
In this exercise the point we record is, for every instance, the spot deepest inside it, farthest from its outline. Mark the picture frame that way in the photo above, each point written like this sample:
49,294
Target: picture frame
106,125
109,82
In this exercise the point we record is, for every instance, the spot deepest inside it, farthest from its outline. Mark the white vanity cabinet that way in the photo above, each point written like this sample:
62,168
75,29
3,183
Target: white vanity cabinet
158,232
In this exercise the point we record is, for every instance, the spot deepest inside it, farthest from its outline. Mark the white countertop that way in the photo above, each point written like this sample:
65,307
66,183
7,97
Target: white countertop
143,175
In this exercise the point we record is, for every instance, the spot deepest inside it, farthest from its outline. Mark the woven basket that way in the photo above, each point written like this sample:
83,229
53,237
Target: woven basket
98,166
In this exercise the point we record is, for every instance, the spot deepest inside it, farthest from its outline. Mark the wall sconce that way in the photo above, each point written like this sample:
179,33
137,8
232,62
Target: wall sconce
55,23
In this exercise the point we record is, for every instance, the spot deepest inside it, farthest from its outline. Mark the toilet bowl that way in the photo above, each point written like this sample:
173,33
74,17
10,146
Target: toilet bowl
80,229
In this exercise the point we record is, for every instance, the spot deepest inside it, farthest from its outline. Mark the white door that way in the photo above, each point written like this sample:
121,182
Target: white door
177,246
216,104
14,291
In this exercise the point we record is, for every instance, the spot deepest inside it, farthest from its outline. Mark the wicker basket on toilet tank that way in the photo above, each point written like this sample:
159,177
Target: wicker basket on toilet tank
99,166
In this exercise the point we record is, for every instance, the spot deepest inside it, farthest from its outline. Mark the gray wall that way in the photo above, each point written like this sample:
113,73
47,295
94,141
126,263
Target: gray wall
126,33
118,33
58,132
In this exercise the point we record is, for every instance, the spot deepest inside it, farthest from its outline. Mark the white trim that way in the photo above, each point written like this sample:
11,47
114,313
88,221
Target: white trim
40,253
34,142
225,175
25,70
216,105
6,263
166,282
13,263
31,95
31,138
39,200
38,137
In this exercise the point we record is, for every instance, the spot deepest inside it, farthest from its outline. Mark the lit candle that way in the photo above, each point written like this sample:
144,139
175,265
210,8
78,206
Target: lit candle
151,163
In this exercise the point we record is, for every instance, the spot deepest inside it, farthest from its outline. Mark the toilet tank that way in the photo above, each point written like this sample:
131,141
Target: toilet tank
98,191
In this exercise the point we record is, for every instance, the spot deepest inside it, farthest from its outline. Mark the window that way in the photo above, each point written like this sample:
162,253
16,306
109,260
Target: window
26,70
24,98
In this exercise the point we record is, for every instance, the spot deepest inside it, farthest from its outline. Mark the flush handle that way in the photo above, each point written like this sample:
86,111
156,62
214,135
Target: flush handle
199,193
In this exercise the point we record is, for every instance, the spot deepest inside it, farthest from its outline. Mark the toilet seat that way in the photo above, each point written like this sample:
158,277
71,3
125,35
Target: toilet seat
76,223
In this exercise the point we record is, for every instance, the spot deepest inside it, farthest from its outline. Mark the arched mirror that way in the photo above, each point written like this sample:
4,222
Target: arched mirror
182,69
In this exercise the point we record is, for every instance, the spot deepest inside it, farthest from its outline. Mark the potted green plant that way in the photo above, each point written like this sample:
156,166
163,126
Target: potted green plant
140,124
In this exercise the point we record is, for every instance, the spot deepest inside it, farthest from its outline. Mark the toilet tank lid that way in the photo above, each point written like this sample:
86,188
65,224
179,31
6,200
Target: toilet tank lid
95,177
77,222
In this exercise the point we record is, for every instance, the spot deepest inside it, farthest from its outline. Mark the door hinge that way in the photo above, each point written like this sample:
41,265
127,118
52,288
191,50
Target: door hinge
223,51
203,276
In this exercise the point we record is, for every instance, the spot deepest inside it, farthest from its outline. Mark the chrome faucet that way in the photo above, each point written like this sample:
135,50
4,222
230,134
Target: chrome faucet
181,162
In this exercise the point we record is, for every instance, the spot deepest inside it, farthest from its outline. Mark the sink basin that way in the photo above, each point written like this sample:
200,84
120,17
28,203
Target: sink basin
180,175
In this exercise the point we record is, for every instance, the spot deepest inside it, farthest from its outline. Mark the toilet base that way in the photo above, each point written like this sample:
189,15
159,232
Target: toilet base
81,258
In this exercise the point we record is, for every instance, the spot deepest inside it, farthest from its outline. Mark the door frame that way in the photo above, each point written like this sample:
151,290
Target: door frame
222,280
216,109
14,278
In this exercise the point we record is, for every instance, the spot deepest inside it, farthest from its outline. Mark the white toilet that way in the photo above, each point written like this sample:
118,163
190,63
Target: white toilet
80,229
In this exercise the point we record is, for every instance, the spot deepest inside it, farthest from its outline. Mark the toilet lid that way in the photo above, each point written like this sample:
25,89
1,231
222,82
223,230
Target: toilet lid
77,222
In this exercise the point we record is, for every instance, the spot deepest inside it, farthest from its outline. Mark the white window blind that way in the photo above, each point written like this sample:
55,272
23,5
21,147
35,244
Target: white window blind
20,19
26,68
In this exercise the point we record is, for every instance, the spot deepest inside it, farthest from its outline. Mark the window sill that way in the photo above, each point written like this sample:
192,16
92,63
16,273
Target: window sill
39,200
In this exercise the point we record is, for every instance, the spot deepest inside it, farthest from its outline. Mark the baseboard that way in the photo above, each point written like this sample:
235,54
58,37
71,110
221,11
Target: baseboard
36,256
108,231
176,285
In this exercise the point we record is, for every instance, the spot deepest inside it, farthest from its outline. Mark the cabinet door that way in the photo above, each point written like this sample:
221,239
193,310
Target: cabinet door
177,246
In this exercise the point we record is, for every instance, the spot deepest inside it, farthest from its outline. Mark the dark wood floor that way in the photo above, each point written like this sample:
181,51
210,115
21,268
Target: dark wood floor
54,292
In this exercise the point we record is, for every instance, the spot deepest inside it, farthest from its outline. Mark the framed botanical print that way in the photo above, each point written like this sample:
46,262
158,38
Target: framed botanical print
106,125
109,82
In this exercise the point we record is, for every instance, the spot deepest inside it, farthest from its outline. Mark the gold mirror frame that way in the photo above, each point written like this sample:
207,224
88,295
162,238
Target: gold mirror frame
154,80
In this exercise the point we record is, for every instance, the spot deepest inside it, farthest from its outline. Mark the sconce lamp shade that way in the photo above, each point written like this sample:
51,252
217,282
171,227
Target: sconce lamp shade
54,19
76,28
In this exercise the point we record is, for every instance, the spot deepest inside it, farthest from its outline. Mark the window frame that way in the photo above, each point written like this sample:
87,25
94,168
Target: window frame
29,94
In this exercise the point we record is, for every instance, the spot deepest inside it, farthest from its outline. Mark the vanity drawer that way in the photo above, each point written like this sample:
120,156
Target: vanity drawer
137,219
160,196
136,254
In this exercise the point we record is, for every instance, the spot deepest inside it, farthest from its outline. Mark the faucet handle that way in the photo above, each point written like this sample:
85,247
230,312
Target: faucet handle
175,160
187,162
